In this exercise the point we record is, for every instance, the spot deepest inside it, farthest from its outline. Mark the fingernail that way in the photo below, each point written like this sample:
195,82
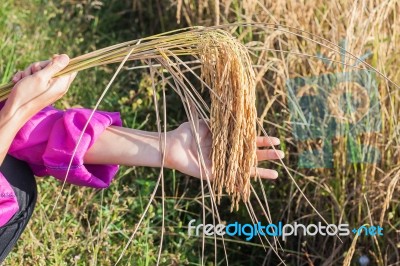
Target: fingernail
276,141
275,174
281,154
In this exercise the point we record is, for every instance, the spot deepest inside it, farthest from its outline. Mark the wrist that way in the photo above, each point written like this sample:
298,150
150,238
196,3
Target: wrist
173,139
10,124
12,118
18,111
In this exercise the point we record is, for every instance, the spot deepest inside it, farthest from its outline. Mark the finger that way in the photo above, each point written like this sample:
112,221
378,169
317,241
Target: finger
267,141
63,80
17,77
72,77
264,173
60,85
57,64
39,66
35,67
263,155
27,72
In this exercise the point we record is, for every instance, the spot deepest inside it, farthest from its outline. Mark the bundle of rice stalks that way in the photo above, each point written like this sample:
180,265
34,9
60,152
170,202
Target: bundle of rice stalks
227,67
226,71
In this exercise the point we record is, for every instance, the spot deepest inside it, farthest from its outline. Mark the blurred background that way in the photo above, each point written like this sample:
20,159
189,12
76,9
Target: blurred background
336,118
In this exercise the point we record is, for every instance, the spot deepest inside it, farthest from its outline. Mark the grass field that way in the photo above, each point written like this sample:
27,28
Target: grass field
90,227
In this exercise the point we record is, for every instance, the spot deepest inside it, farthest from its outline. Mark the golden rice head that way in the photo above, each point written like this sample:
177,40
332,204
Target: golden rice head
227,69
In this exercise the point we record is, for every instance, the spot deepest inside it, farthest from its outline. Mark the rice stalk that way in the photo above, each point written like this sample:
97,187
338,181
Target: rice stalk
394,176
162,141
350,252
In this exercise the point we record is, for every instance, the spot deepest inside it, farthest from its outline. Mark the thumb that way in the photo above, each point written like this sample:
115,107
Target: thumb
57,64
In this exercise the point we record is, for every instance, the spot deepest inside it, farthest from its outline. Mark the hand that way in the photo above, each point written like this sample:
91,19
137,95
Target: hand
35,88
181,153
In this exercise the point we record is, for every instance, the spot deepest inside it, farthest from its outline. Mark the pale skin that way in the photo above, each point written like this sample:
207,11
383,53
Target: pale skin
35,89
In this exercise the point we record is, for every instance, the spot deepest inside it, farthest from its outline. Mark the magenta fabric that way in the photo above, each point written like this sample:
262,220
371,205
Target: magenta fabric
47,142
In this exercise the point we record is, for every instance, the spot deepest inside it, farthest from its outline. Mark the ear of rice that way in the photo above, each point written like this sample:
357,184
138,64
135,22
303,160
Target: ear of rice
226,66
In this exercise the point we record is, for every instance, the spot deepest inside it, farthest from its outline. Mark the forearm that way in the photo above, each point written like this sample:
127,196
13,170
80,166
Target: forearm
125,146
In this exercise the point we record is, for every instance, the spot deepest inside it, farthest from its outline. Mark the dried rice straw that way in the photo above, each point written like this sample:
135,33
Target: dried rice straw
227,71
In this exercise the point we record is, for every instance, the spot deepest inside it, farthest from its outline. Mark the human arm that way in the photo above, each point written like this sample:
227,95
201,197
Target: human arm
132,147
113,145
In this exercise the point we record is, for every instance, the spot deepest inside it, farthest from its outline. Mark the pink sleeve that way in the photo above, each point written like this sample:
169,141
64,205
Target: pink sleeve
8,201
48,140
